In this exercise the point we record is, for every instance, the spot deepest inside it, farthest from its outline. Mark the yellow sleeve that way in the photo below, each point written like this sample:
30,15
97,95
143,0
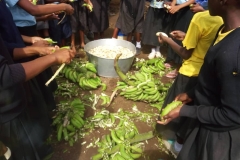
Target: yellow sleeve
192,36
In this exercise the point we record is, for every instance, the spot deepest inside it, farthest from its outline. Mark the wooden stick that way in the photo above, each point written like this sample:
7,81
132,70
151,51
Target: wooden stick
55,74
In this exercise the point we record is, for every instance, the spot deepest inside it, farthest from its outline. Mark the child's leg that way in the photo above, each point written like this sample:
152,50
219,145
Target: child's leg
115,33
129,37
138,37
45,33
96,36
82,43
138,42
101,34
73,42
63,42
73,39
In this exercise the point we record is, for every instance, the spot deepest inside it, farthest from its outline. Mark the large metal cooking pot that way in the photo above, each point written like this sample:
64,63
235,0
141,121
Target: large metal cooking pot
105,67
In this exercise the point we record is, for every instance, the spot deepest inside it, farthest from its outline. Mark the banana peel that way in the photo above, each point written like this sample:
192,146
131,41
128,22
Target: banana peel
88,6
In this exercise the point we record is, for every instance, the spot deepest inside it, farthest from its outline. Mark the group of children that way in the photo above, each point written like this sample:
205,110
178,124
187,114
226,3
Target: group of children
25,67
205,125
159,18
204,44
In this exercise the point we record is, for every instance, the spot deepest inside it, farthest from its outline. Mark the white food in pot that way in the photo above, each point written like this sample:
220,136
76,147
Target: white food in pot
110,52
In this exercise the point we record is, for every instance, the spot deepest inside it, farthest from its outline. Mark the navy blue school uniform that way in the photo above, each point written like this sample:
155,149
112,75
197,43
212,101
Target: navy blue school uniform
8,29
37,108
216,134
98,18
13,39
19,131
153,23
178,21
80,18
131,16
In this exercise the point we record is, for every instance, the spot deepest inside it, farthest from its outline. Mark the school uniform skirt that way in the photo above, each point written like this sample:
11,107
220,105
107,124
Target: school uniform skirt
152,25
25,137
180,22
181,84
99,21
205,144
131,16
79,19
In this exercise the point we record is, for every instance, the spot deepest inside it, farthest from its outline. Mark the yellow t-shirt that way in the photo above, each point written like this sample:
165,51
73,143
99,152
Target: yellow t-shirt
221,35
200,35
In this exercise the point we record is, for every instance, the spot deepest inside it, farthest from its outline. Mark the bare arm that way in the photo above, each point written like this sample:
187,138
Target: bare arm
38,10
47,17
176,8
19,53
28,39
3,149
38,65
181,51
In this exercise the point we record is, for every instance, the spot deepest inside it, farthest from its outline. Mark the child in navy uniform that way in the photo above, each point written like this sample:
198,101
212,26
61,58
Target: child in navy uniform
130,20
216,109
152,25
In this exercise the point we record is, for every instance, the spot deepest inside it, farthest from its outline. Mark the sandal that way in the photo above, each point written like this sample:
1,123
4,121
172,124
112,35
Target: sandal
172,74
167,65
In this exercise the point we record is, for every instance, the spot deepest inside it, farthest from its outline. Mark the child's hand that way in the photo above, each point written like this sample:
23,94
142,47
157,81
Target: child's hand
183,97
196,8
3,149
46,50
41,43
36,39
179,35
63,55
52,16
162,38
69,9
173,9
170,116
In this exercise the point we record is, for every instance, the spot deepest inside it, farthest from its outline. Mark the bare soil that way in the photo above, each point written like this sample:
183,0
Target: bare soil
62,150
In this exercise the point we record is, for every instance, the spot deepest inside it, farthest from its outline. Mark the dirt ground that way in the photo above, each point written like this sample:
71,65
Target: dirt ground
62,150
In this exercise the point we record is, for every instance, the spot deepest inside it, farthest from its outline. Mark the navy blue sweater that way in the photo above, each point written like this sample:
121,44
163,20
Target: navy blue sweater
12,77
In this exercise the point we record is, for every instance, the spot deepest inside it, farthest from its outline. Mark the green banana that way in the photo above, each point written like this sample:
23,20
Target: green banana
170,107
91,67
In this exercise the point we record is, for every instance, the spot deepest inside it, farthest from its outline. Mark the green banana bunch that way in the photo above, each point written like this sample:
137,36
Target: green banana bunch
69,120
116,146
150,66
91,67
89,84
103,119
84,74
145,88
